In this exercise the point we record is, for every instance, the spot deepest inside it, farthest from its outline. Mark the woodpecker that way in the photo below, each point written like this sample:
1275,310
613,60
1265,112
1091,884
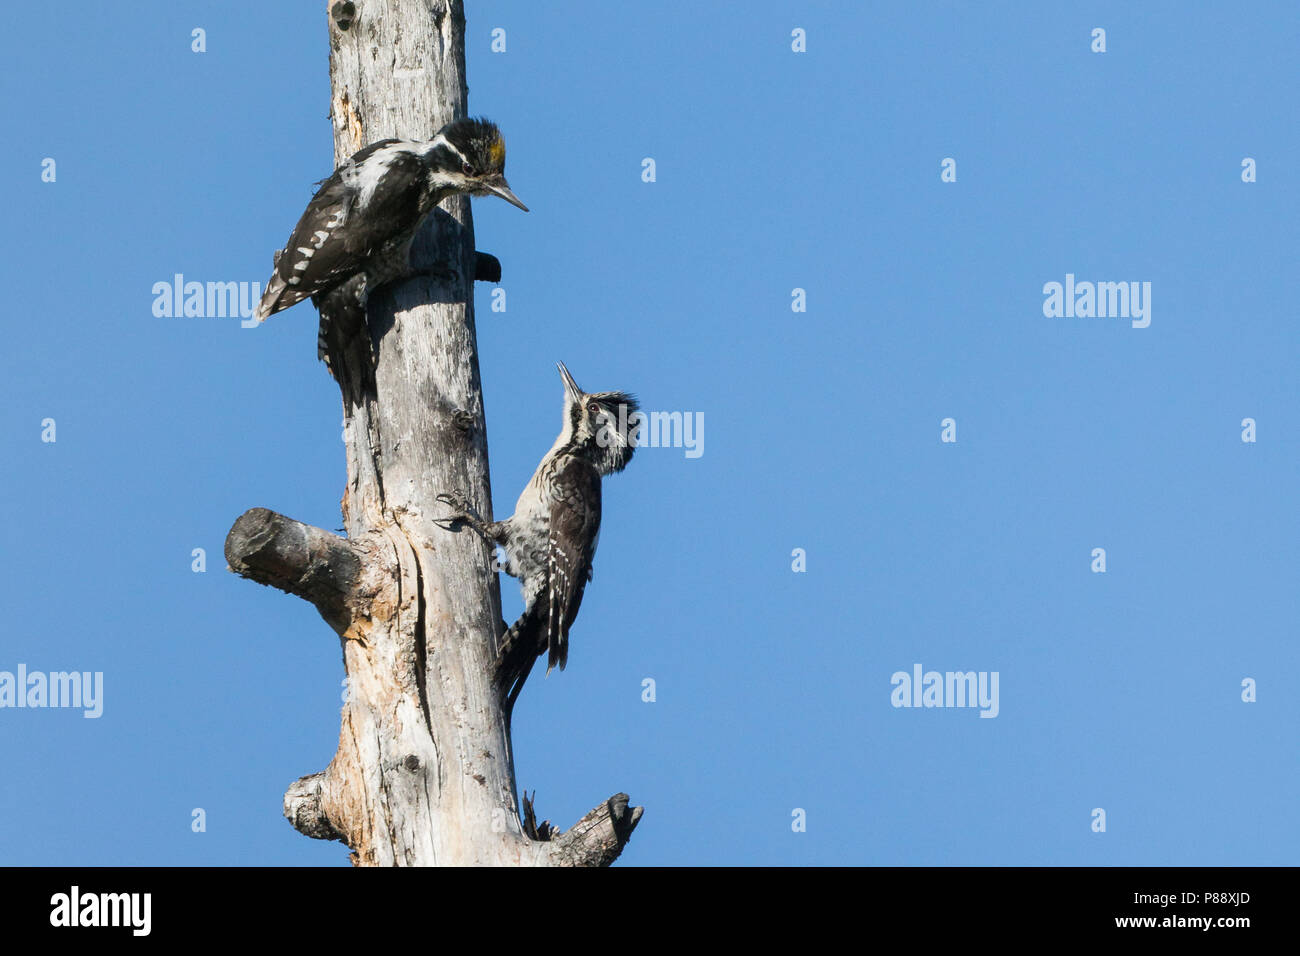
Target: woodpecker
356,232
550,540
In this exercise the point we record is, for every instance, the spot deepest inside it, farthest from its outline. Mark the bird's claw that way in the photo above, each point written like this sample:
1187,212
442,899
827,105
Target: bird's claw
459,504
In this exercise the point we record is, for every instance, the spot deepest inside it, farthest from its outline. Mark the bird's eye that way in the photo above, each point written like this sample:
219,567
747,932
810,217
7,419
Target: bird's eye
467,169
594,407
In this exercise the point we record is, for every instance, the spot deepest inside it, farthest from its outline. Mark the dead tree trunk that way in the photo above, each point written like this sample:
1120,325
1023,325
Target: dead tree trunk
424,773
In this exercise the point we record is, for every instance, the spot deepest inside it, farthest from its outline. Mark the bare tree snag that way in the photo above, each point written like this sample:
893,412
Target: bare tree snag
424,771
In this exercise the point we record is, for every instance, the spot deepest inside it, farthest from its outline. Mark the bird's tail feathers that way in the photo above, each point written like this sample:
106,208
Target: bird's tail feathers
269,303
557,646
342,322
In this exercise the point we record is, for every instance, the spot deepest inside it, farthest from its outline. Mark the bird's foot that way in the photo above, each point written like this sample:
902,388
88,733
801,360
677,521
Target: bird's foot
463,511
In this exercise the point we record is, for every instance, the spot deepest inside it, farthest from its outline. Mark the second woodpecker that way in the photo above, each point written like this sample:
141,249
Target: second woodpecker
550,540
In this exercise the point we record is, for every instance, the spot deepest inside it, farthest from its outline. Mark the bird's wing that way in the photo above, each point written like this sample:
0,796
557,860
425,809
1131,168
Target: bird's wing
574,527
320,253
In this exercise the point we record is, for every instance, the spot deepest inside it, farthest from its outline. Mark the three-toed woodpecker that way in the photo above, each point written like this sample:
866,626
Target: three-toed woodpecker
356,232
550,540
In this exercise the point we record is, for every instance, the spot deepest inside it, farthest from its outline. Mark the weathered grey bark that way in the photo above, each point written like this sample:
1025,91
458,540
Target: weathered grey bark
424,772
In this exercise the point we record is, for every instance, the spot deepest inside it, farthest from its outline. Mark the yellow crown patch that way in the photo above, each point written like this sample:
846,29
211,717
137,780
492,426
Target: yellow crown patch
497,153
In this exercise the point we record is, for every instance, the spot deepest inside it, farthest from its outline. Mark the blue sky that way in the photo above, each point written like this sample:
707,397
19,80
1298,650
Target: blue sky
775,170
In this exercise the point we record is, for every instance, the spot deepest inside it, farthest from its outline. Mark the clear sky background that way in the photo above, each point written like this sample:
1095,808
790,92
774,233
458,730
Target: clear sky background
776,170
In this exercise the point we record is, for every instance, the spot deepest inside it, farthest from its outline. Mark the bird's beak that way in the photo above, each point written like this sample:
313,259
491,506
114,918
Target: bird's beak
498,186
570,386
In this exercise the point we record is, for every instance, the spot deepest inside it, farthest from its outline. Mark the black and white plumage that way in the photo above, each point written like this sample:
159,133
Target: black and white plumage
356,232
550,540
